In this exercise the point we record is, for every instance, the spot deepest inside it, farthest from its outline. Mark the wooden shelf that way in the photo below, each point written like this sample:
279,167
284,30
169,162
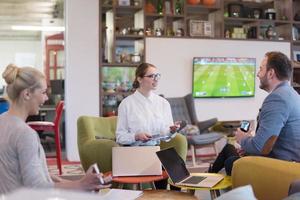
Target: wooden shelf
276,22
106,8
120,64
175,16
136,17
296,42
153,16
240,19
127,9
234,21
164,36
250,3
201,8
116,93
129,37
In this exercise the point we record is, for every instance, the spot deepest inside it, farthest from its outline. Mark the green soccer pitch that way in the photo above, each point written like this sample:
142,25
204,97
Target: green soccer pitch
223,80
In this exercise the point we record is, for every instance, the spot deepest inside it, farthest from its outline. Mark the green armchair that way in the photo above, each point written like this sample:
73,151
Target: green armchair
92,150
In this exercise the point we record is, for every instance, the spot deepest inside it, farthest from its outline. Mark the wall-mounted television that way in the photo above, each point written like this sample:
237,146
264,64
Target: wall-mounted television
223,77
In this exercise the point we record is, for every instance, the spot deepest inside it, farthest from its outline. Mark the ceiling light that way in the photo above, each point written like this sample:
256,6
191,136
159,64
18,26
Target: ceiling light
38,28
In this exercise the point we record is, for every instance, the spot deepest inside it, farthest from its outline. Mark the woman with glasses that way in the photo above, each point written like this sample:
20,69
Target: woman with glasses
144,113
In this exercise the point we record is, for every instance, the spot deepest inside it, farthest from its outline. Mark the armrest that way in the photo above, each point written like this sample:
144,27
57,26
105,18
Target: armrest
205,125
270,178
97,151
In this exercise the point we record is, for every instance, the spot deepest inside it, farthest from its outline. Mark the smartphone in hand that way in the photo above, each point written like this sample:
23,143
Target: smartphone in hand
245,126
97,171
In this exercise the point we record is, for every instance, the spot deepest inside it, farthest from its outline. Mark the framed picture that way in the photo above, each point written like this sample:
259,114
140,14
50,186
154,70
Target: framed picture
296,55
201,28
118,79
123,53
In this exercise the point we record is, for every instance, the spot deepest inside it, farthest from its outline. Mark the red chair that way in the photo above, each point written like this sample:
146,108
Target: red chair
52,126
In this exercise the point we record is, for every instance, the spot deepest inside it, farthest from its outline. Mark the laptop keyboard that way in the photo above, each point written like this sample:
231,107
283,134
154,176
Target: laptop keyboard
194,179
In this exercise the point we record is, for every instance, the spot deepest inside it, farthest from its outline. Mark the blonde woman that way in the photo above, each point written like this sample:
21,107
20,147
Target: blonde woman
22,158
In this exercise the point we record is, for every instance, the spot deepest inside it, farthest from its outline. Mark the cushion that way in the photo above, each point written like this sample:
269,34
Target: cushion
204,139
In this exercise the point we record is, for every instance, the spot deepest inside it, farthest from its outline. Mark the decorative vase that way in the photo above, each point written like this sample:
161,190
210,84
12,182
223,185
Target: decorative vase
193,2
208,2
149,7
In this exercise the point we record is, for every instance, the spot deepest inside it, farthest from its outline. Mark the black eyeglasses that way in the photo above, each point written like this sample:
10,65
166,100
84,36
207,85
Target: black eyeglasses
155,77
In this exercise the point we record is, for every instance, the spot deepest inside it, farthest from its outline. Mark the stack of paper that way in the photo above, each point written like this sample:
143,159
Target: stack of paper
120,194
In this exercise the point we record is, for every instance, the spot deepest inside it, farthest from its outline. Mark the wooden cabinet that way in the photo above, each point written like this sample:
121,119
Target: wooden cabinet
270,20
122,49
176,22
124,28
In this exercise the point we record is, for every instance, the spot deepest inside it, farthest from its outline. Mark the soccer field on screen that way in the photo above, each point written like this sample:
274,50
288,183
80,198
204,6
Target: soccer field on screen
223,80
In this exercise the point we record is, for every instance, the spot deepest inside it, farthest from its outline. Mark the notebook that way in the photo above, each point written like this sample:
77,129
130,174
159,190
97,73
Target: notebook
136,161
177,171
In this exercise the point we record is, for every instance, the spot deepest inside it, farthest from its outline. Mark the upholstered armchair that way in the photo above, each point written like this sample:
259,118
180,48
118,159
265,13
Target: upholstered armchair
96,137
183,108
270,178
91,149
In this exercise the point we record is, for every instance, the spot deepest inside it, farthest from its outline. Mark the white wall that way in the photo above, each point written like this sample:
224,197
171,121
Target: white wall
82,67
174,57
21,53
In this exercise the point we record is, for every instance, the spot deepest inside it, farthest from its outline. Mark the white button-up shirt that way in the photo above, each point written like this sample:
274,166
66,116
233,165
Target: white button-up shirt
140,114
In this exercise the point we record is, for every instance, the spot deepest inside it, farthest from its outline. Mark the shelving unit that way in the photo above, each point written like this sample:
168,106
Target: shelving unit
122,38
125,27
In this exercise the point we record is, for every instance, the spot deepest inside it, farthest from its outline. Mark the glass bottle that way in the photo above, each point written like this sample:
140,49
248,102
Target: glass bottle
160,7
178,9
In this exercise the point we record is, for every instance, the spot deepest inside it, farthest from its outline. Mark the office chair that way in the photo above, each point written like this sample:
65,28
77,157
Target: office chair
183,108
52,126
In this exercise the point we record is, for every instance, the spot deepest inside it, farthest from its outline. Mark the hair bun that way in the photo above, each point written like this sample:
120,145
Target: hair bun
10,73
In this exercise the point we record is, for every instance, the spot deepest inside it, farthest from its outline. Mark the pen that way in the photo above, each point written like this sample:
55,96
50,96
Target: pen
97,171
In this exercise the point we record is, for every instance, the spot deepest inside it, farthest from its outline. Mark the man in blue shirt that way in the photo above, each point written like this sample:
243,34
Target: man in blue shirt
278,130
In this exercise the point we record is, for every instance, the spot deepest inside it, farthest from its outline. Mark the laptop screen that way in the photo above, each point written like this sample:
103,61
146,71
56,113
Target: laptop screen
173,164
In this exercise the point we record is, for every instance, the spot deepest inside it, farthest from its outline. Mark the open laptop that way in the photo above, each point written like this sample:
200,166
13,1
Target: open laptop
135,161
177,171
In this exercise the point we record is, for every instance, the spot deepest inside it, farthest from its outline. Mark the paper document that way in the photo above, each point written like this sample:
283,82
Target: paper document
120,194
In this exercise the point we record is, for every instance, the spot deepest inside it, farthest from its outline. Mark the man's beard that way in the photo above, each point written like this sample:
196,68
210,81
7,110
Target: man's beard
264,83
